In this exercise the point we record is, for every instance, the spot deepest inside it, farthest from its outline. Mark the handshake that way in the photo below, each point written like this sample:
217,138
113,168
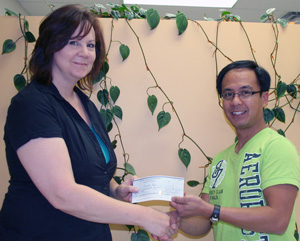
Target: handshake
185,208
163,225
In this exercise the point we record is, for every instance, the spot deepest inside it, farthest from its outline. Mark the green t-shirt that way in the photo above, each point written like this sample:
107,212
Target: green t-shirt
238,180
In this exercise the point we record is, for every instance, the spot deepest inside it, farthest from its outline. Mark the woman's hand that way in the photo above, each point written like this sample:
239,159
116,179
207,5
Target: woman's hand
174,224
124,191
161,225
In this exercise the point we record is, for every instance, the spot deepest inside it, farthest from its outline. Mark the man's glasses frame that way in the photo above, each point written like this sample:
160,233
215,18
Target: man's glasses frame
243,94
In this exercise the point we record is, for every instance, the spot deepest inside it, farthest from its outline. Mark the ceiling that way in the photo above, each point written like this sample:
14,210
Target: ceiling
248,10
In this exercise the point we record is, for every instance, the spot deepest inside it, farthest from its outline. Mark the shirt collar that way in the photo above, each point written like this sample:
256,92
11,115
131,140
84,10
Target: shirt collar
52,90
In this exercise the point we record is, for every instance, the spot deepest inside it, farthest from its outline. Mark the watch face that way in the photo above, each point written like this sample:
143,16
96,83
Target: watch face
214,220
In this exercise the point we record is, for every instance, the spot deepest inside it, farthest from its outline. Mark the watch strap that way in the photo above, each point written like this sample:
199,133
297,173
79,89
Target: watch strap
216,214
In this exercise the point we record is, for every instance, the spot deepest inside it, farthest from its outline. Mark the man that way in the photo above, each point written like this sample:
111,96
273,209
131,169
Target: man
252,185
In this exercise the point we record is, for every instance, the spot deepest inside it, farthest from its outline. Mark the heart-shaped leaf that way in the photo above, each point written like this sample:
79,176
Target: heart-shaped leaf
268,115
19,81
129,168
153,18
281,88
114,92
104,70
181,22
283,22
152,103
292,90
30,37
279,114
102,96
184,156
8,46
117,111
163,118
107,117
124,51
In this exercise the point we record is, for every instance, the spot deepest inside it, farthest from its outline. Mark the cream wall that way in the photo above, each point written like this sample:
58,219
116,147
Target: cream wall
184,67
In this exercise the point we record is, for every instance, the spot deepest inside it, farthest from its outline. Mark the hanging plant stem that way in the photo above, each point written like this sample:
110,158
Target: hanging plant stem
163,92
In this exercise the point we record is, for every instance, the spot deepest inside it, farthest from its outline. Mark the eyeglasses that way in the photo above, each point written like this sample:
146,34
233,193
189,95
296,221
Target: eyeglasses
243,94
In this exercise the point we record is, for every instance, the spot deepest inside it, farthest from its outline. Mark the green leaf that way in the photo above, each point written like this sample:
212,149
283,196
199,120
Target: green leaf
109,127
114,92
114,144
281,132
281,88
129,168
163,118
105,67
292,90
268,115
264,17
270,10
26,24
30,37
8,46
153,18
117,111
103,72
129,15
10,12
115,14
130,227
181,22
296,235
225,13
117,179
124,51
142,12
283,22
19,81
184,156
107,117
140,235
193,183
152,103
279,114
102,96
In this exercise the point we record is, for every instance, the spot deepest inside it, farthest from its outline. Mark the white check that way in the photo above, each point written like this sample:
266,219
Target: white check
158,188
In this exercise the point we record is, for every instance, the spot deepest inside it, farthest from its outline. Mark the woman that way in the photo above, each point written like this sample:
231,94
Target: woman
58,152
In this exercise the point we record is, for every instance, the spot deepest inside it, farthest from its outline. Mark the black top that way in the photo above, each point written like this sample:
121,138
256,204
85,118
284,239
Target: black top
40,111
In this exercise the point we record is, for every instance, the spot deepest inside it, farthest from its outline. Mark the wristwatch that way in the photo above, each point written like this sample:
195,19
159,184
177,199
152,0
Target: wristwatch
216,214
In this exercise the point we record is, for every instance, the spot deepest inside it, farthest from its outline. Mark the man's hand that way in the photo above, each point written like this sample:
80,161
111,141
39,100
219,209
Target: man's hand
191,206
